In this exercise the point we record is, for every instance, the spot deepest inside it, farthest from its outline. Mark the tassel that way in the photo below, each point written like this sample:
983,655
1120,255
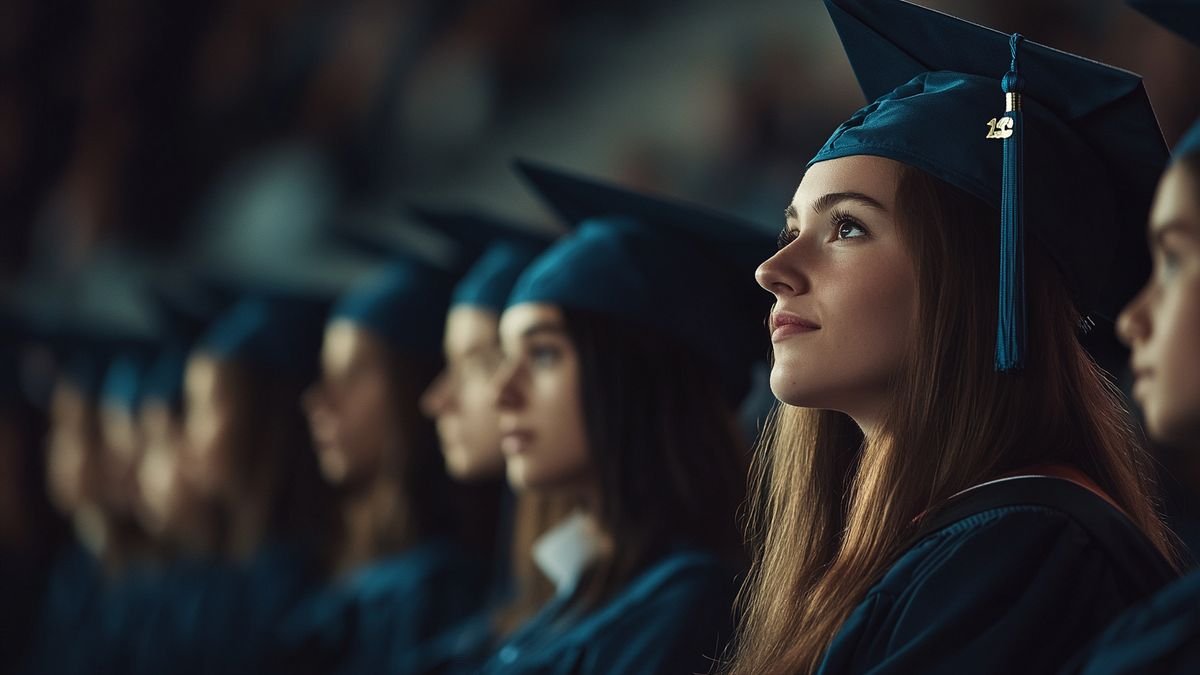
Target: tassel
1010,330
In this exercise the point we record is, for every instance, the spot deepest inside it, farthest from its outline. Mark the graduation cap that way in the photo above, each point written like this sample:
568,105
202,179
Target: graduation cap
185,312
277,331
405,304
1183,18
494,251
682,270
1064,147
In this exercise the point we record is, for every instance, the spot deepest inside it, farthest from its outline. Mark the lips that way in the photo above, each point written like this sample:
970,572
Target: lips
786,324
515,442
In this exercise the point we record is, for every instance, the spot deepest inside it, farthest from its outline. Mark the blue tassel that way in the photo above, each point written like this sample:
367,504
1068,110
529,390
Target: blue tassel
1010,330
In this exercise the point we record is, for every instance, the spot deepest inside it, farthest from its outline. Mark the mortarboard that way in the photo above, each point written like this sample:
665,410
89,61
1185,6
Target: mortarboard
1183,18
276,331
1074,161
497,251
405,303
682,270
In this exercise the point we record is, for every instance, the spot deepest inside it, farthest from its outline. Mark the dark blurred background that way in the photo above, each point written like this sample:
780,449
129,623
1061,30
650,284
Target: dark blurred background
237,129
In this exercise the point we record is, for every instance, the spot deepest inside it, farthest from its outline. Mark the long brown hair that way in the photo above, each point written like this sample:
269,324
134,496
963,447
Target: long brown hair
835,510
669,457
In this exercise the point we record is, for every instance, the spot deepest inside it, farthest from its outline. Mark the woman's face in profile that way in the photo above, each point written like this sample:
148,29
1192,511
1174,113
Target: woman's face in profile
845,289
462,399
211,422
539,395
351,412
1162,324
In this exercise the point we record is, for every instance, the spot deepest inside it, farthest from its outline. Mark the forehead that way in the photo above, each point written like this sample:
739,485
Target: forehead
347,342
470,327
1178,197
519,318
875,177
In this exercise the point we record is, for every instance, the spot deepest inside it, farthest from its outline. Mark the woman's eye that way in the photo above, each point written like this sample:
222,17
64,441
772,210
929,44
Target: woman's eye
786,236
1168,263
544,355
846,228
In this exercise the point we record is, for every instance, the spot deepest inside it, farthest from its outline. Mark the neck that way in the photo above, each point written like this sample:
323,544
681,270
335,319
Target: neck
374,524
249,524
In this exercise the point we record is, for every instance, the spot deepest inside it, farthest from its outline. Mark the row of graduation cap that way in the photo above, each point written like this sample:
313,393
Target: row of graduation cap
680,272
623,259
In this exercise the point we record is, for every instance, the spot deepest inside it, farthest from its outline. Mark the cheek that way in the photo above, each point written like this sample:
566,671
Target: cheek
1176,402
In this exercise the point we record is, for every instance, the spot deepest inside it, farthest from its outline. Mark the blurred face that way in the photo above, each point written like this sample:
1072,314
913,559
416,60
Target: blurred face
845,290
123,446
211,423
350,411
73,443
542,432
462,399
1162,324
159,475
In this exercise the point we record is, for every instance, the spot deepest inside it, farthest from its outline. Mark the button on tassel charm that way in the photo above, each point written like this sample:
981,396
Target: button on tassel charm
1010,328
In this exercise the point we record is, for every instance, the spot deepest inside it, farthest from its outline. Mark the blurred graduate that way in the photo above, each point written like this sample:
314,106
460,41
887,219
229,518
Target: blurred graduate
1162,327
618,392
406,569
462,401
953,484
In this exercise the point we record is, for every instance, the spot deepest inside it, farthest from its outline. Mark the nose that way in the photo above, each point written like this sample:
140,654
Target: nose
437,395
1133,324
781,274
510,386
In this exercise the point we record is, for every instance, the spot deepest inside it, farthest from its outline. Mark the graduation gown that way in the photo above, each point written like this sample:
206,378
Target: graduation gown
672,618
66,635
1161,635
1013,576
373,620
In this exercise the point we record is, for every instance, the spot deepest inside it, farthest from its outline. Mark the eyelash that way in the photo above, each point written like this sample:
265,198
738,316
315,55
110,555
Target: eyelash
838,220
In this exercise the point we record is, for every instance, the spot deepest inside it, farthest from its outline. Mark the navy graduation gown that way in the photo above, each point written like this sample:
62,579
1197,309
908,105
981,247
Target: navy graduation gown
1161,635
672,618
1013,576
373,620
65,637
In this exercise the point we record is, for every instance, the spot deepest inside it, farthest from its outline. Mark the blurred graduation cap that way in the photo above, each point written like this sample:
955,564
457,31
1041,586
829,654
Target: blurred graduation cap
1183,18
1062,146
682,270
492,251
277,331
185,312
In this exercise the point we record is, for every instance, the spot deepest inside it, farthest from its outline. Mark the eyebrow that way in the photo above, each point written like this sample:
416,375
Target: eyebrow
542,328
828,201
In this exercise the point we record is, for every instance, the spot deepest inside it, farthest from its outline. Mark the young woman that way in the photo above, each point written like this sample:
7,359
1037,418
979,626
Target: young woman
247,439
404,572
462,402
616,393
938,495
1162,327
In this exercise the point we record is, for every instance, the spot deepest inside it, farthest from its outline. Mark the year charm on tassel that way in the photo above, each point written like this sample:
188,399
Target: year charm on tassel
1003,128
1000,128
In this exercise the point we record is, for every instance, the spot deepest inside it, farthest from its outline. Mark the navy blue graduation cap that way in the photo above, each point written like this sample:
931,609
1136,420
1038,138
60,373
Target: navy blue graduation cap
1064,147
1183,18
184,313
124,380
496,250
275,331
405,304
682,270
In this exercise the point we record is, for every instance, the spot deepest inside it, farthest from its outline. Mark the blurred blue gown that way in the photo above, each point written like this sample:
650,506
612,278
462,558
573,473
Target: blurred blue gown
374,619
1013,578
1161,635
674,617
65,635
